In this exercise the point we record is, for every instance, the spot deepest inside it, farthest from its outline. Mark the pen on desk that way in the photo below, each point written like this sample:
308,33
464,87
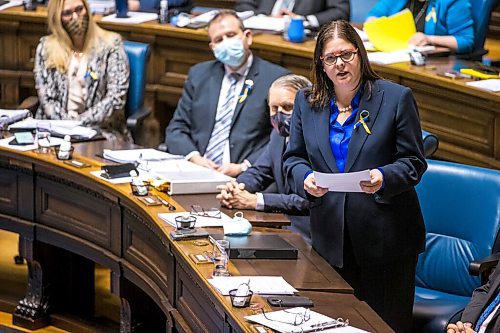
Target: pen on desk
214,242
166,203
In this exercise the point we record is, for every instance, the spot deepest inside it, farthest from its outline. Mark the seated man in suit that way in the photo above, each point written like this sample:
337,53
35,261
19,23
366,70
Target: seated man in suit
316,13
221,121
246,191
482,312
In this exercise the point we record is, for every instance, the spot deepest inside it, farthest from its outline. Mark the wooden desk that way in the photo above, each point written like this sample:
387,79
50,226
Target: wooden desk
68,219
467,120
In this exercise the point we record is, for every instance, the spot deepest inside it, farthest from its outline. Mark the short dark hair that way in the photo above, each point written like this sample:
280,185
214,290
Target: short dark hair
323,90
226,12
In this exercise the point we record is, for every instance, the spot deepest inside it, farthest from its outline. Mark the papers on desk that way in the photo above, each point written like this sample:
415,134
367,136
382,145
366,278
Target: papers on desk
102,7
262,22
278,321
266,285
489,85
98,173
46,143
203,19
137,155
8,117
56,127
201,221
342,182
386,58
9,4
184,177
391,33
133,18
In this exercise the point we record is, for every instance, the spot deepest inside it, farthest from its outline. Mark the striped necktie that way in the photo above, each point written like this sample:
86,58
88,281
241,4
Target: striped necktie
222,127
487,312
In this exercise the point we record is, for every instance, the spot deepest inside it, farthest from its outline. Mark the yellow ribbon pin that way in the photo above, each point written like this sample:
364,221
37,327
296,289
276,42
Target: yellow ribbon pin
246,91
431,15
91,73
363,118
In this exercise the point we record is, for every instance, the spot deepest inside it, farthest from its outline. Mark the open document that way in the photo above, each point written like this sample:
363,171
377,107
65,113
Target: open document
342,182
56,128
137,155
266,285
302,320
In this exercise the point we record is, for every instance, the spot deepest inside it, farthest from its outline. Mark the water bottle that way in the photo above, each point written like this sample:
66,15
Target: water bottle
163,17
29,5
65,149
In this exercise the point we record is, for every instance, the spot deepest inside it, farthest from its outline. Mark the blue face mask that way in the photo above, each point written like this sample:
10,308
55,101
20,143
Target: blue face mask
281,123
230,52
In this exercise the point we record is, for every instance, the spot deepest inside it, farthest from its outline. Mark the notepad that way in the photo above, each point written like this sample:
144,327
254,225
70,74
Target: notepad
267,285
391,33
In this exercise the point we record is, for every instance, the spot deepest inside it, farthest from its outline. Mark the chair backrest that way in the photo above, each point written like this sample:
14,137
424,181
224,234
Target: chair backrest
461,208
138,57
360,9
481,13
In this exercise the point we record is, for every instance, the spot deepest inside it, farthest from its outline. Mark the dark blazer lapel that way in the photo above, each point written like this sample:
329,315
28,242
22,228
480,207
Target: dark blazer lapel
252,75
359,134
266,6
322,129
214,83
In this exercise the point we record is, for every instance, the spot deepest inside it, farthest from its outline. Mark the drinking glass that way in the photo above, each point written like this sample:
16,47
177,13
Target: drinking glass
42,136
221,257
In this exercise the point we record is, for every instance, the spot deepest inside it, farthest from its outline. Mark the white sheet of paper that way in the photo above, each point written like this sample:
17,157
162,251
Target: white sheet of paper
53,142
135,155
489,84
267,285
201,221
12,3
342,182
278,321
133,18
262,22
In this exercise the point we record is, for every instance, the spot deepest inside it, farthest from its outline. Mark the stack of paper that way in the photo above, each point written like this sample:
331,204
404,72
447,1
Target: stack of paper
137,155
266,285
201,221
102,7
391,33
9,4
184,177
262,22
489,85
284,321
8,117
56,127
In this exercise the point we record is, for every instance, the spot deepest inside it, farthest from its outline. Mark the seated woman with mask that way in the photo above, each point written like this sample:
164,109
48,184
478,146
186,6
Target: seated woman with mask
81,71
445,23
247,191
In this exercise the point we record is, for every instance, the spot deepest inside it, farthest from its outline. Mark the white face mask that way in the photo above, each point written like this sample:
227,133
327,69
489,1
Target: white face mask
230,52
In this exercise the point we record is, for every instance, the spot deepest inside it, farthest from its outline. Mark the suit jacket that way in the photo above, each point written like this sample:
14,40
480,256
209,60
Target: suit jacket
384,226
269,169
453,17
324,10
481,297
194,118
106,95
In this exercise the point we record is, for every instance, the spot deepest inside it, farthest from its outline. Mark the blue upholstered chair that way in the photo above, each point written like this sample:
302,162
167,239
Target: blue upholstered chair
481,13
431,143
360,9
461,208
138,56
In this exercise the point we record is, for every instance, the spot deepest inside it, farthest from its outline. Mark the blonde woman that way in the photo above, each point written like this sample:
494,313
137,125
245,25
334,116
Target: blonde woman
81,71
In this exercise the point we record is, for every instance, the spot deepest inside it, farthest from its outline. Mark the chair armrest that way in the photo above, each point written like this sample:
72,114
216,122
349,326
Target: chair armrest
431,143
30,103
484,266
138,117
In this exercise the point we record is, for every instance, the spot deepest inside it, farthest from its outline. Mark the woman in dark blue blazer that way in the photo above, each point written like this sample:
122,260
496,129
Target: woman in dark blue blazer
351,120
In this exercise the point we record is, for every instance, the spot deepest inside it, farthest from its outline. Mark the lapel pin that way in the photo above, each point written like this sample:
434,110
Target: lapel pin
246,91
363,118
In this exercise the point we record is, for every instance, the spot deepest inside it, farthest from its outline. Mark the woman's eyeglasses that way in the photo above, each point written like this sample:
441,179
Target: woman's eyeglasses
210,212
69,12
346,56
